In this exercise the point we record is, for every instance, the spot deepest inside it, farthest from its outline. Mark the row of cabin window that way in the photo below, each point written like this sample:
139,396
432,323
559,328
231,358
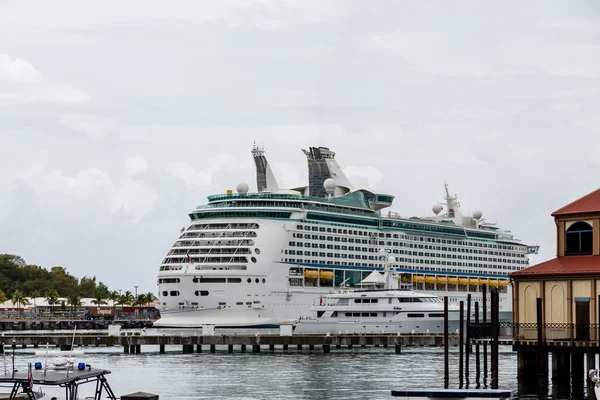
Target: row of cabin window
374,314
406,237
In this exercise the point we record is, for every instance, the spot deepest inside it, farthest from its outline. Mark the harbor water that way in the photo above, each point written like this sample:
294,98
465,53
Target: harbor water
358,373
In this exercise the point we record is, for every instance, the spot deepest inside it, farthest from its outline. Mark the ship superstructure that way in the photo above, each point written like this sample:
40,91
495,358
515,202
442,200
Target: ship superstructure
261,259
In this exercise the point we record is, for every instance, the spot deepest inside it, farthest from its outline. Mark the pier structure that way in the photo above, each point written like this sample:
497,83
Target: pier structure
556,304
132,342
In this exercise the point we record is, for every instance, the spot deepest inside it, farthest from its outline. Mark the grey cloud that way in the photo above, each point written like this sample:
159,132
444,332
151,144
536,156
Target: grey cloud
485,96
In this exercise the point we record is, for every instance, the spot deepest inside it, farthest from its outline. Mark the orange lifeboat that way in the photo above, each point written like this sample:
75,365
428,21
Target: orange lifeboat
326,275
311,274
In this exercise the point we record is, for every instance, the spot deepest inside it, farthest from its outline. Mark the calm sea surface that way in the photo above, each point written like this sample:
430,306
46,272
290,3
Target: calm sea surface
360,373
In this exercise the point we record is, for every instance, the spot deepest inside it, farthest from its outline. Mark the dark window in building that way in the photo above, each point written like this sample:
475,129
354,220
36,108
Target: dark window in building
579,239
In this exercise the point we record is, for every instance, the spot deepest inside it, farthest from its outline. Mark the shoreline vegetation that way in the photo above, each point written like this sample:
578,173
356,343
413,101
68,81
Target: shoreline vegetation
24,284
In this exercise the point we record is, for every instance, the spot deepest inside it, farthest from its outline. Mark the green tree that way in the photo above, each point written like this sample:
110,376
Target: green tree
99,297
51,299
150,298
3,297
74,301
87,286
19,299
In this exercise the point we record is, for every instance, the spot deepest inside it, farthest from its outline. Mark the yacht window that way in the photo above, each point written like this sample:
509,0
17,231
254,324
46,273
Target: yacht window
174,293
436,315
373,314
212,280
415,315
365,314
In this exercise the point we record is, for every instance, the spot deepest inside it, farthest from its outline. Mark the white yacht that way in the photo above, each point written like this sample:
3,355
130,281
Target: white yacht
389,307
263,258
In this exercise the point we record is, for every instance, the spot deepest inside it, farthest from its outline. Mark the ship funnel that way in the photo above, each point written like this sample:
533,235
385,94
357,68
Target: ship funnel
322,166
265,180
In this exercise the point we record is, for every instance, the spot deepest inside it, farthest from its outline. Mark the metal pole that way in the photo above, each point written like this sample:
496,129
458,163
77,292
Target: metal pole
541,362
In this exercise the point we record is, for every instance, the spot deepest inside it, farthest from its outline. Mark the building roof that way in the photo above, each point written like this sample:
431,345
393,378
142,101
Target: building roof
567,265
590,203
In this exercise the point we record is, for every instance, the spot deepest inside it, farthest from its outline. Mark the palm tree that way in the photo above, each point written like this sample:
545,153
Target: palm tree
51,299
35,294
75,301
114,296
140,300
98,299
19,299
150,298
127,298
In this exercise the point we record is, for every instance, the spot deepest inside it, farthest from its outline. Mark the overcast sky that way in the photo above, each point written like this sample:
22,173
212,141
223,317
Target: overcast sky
117,118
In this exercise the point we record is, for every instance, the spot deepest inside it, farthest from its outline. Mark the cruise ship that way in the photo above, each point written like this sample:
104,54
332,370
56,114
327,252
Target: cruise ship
262,259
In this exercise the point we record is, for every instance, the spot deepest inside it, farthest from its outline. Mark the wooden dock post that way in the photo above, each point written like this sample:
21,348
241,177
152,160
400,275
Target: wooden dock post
271,347
477,354
161,348
213,348
198,348
326,348
494,297
542,361
243,348
256,348
446,344
299,347
461,339
484,318
468,338
138,348
230,348
285,347
126,349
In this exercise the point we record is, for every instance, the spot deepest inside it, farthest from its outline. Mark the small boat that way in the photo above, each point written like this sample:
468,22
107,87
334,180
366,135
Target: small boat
389,307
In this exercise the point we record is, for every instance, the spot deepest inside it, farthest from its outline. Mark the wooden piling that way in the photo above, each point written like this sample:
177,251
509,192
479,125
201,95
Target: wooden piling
446,344
326,348
198,348
243,348
161,349
461,340
230,348
468,338
484,320
495,332
477,354
256,348
271,347
213,348
541,363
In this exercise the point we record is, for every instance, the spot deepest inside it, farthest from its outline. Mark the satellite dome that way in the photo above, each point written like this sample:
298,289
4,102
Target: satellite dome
391,259
329,185
477,214
381,251
242,188
436,209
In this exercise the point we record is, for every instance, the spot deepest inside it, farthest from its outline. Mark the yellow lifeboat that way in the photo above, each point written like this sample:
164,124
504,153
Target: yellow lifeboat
311,274
326,275
493,282
473,281
502,282
430,279
483,281
452,280
418,278
463,281
441,280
